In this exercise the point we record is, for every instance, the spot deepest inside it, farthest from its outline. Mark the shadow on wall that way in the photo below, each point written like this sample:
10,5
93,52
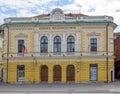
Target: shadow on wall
117,70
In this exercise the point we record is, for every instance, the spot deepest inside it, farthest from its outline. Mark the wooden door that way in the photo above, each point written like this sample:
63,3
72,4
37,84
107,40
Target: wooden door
70,73
44,73
57,73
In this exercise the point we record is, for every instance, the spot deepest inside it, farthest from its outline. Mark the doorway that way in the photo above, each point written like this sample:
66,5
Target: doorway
93,72
70,73
57,73
44,73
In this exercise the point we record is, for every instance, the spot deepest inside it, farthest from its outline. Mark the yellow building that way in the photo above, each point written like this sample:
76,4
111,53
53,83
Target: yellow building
58,47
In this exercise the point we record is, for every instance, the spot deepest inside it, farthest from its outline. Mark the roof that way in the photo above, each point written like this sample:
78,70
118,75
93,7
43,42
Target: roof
67,14
61,22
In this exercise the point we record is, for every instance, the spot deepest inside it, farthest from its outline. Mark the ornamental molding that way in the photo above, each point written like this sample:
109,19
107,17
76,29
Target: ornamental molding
60,35
93,34
74,35
57,14
41,35
21,35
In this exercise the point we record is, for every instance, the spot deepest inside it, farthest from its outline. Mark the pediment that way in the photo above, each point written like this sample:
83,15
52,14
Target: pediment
57,14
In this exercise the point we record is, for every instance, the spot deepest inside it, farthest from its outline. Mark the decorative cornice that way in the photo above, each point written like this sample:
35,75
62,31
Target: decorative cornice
93,34
61,22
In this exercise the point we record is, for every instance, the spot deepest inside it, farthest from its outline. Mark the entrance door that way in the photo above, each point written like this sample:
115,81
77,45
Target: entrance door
20,72
70,73
44,73
2,75
57,73
93,72
112,74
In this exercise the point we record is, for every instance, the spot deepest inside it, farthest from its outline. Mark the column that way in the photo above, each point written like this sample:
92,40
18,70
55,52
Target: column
64,74
64,46
77,72
76,45
50,74
50,44
36,42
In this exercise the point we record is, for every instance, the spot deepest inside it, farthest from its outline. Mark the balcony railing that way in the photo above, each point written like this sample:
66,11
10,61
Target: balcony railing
59,54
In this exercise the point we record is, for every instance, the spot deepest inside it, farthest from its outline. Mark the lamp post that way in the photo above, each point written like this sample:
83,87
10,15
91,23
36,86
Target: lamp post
107,25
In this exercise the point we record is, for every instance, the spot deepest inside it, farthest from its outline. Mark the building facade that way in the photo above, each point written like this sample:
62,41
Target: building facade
59,47
117,54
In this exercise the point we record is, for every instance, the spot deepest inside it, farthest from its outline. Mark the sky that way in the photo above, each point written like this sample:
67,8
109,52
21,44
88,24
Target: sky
29,8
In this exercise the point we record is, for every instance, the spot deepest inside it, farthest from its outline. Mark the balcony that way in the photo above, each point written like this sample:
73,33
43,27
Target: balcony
59,54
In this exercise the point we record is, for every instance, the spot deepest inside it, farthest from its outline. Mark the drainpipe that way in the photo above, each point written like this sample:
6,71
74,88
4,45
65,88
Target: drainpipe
7,52
107,52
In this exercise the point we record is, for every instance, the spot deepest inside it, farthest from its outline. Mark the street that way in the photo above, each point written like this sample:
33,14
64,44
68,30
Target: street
64,88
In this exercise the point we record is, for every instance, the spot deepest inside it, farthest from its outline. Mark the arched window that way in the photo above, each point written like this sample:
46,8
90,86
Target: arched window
70,44
44,44
57,44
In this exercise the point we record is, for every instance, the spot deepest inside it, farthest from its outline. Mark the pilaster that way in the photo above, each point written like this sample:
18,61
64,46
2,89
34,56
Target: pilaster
36,42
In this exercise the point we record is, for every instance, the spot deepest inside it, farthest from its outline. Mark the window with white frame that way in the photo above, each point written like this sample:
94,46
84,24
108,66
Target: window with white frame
44,44
57,44
20,45
93,44
70,44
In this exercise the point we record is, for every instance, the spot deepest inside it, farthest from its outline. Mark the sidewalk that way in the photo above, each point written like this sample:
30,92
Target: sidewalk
63,87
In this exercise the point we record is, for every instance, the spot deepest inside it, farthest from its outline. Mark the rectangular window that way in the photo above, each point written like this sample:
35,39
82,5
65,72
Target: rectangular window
20,72
93,72
93,44
20,45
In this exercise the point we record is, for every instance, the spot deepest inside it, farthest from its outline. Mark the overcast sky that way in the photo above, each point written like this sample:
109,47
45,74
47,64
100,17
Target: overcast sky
28,8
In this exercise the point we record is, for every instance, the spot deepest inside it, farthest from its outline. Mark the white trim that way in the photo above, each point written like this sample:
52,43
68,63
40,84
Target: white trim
51,61
50,43
36,42
76,43
20,38
64,44
39,42
89,47
76,40
18,76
